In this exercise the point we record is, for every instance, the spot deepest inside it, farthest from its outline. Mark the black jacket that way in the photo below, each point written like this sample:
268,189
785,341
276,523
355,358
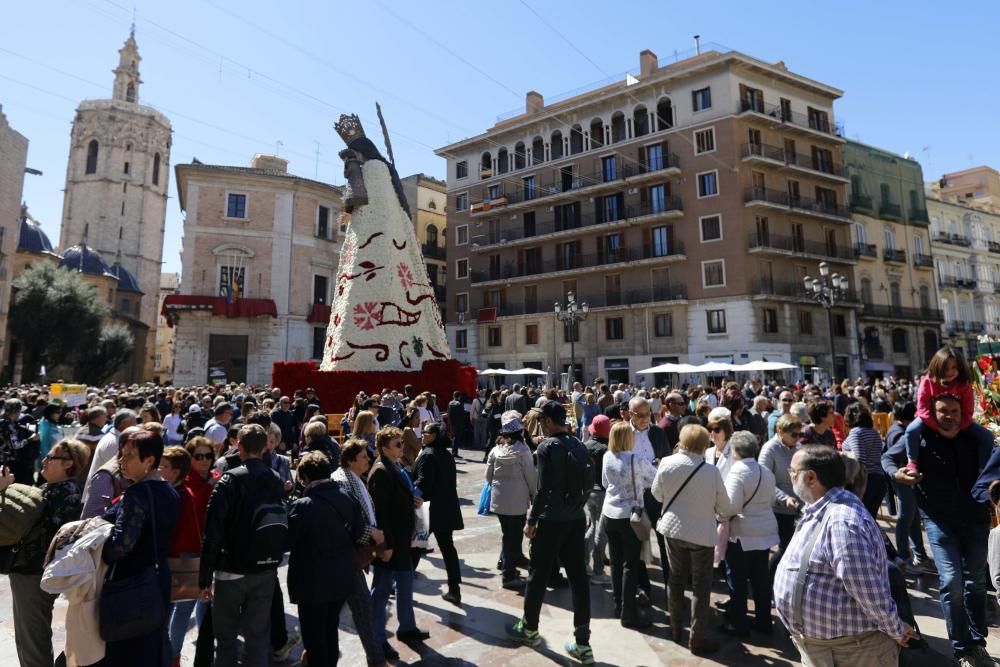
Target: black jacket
393,504
228,523
550,503
435,477
658,439
323,527
286,422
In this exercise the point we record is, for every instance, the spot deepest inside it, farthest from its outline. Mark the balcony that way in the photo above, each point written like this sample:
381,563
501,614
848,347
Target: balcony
792,119
859,201
779,156
658,294
888,209
807,205
669,207
795,246
919,215
432,251
993,246
950,282
954,327
953,239
762,287
901,313
865,250
572,262
894,255
923,261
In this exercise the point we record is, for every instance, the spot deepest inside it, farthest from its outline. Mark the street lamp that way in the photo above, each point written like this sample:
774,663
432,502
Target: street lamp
573,312
827,293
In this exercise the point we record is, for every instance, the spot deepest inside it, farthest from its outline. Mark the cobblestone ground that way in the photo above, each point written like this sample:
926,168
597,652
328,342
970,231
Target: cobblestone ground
474,634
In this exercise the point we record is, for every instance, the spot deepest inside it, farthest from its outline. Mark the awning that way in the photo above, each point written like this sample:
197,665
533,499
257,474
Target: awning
320,314
883,366
218,305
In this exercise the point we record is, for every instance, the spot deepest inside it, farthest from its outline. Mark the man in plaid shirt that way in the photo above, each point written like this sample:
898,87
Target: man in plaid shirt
839,612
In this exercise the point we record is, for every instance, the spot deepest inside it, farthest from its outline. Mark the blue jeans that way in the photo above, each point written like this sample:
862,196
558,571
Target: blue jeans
381,587
960,553
180,618
909,540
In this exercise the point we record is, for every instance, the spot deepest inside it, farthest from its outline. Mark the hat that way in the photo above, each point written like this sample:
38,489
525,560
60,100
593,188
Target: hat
194,409
600,426
720,413
554,411
510,422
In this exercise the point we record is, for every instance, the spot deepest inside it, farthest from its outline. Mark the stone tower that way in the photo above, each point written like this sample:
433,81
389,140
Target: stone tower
116,191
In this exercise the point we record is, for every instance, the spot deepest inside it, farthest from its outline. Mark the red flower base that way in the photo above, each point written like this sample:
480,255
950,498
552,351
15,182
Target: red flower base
337,389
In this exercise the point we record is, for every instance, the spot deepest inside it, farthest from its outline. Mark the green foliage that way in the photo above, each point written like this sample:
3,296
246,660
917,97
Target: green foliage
114,347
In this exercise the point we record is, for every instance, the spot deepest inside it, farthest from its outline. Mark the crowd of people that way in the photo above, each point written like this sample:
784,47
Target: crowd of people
173,506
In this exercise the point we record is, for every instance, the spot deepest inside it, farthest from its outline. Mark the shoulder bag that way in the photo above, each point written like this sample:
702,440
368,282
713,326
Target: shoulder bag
184,571
641,524
678,492
133,606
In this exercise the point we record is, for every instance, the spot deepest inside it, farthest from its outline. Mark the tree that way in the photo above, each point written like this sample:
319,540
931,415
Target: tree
56,316
114,347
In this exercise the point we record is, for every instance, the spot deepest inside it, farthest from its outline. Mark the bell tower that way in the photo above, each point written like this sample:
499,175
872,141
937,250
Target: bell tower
127,73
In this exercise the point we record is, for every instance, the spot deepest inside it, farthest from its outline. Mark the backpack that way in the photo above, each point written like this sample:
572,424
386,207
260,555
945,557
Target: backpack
580,473
268,527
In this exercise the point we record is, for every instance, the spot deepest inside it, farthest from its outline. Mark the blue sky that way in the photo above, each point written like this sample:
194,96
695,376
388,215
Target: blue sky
235,78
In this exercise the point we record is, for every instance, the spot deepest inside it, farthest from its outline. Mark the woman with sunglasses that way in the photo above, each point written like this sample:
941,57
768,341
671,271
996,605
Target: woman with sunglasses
64,469
776,456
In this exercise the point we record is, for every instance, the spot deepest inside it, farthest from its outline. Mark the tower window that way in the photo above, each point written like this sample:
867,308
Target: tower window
123,213
126,167
130,93
156,169
121,229
92,157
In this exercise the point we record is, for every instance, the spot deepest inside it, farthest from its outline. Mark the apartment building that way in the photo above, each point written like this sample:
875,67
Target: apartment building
684,205
259,257
965,237
427,200
899,319
979,186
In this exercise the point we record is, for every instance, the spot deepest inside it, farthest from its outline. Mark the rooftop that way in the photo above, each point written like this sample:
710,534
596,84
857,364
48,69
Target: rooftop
268,166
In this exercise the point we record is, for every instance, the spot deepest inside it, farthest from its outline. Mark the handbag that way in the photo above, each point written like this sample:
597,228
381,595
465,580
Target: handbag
184,573
642,526
485,496
133,606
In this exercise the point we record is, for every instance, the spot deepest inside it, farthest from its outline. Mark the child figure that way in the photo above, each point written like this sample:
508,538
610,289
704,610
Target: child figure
947,373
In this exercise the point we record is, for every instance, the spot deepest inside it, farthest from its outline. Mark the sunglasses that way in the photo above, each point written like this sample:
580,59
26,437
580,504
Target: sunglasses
795,434
202,457
715,429
50,457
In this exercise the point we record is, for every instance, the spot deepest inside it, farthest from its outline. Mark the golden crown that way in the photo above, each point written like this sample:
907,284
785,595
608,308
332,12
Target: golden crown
349,128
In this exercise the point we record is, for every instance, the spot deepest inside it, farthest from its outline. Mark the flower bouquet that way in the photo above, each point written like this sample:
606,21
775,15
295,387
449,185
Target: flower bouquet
986,372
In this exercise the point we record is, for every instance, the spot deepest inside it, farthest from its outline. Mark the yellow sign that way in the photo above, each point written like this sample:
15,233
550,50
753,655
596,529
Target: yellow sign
71,394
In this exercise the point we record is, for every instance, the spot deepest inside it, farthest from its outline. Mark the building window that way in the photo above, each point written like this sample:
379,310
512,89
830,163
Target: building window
770,320
320,286
701,99
663,325
711,228
158,360
462,201
899,341
660,237
461,268
614,328
461,169
609,168
236,206
462,235
654,157
839,325
232,282
918,244
494,337
657,199
713,273
704,141
461,339
716,321
431,234
323,222
156,169
125,305
125,168
92,149
708,184
462,303
866,291
319,342
531,334
528,185
805,322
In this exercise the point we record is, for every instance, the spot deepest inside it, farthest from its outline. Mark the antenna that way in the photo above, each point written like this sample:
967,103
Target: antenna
316,175
277,147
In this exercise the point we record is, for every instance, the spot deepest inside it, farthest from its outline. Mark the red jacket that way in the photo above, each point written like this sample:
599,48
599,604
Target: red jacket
194,493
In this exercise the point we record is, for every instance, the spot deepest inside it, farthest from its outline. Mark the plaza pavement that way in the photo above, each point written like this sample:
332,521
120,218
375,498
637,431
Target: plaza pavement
474,634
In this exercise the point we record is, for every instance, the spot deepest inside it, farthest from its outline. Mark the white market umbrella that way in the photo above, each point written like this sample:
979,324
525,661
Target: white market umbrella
527,371
758,366
495,371
670,368
715,367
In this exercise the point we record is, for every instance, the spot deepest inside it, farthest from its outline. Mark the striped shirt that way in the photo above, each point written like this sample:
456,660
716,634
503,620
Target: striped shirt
847,585
865,444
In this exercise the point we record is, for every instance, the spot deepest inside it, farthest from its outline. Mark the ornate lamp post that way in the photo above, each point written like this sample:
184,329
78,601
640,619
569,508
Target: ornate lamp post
573,312
827,291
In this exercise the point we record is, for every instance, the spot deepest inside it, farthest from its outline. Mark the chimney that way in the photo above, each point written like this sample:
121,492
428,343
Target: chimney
269,162
697,44
533,102
648,62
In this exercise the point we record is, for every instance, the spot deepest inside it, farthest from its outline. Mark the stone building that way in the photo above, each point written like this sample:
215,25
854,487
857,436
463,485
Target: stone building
116,192
685,205
260,251
13,160
166,336
965,237
899,321
427,199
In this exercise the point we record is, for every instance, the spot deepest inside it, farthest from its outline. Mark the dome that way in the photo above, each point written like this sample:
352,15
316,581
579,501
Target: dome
32,238
85,260
126,281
